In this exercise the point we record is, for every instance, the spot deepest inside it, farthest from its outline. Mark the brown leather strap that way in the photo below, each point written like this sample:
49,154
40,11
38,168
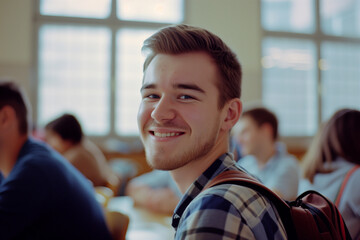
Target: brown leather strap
243,179
230,175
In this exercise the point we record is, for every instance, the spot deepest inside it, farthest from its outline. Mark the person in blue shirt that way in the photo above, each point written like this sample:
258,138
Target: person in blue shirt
42,196
263,155
190,101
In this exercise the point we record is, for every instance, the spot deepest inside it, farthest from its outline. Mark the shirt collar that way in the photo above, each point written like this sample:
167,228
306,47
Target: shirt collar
224,162
23,149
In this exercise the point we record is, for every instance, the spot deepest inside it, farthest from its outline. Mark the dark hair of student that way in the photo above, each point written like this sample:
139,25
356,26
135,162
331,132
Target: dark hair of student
68,128
261,115
11,95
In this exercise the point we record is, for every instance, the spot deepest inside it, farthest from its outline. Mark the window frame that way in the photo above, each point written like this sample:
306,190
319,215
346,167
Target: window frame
318,37
113,23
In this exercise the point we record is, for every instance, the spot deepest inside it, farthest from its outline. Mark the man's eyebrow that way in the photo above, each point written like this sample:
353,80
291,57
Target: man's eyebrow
147,86
176,86
190,87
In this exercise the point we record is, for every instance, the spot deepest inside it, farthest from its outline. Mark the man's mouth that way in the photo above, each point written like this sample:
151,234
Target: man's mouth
167,134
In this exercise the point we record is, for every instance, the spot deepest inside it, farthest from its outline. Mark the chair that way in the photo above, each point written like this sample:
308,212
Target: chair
103,195
117,224
114,182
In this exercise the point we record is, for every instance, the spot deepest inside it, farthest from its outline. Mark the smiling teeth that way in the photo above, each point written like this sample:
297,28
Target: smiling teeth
157,134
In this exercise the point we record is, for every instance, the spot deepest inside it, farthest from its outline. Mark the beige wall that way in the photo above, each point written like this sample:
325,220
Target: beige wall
16,40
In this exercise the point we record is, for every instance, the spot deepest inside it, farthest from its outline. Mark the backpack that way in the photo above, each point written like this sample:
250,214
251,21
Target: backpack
310,216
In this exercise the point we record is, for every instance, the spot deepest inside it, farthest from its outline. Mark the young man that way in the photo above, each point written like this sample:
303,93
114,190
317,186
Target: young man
42,196
190,101
257,133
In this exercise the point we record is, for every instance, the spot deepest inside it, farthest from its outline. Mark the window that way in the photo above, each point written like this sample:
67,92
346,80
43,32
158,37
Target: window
289,83
310,69
288,15
341,77
78,8
128,77
74,74
89,59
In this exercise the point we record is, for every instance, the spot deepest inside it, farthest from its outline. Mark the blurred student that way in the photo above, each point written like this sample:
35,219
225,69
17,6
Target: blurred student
263,156
65,135
42,196
335,151
156,191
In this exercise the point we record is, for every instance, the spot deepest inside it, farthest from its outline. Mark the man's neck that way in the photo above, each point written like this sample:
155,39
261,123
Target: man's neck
266,153
187,174
10,153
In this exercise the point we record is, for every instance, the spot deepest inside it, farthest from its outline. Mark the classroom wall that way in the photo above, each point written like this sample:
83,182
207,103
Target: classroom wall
16,41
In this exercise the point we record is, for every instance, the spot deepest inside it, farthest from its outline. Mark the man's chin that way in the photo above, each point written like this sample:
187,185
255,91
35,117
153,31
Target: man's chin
160,163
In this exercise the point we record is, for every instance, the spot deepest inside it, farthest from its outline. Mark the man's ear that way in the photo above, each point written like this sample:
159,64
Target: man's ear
7,115
233,111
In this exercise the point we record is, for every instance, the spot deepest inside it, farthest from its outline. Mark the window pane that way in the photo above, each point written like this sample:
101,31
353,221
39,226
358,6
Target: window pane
76,8
289,84
129,78
340,18
288,15
170,11
340,77
74,75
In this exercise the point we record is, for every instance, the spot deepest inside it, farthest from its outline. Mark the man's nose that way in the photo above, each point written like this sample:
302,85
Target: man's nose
164,110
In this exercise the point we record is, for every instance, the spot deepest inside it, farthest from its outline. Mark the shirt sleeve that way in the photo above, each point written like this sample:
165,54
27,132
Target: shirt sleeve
286,179
22,200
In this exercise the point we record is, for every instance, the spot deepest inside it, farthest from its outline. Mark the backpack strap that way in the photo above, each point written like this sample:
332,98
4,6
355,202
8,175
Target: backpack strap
343,185
241,178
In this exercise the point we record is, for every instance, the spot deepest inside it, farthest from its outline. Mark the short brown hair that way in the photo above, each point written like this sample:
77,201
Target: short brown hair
261,115
184,39
11,95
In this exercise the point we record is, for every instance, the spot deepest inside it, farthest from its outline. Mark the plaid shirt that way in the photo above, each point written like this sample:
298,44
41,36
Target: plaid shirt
226,211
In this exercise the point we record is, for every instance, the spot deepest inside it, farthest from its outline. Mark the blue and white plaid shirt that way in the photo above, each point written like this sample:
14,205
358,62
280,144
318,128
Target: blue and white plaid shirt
225,211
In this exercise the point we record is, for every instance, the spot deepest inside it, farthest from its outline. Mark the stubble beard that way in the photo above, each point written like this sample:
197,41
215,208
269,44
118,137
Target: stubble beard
181,158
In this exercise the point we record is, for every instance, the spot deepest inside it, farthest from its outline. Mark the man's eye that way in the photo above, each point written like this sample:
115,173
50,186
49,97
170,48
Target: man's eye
152,96
185,97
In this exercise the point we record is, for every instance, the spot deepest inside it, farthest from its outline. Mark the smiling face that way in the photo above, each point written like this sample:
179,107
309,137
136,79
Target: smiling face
179,118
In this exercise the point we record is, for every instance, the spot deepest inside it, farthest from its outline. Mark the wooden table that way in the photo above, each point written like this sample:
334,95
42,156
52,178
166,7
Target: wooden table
144,225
